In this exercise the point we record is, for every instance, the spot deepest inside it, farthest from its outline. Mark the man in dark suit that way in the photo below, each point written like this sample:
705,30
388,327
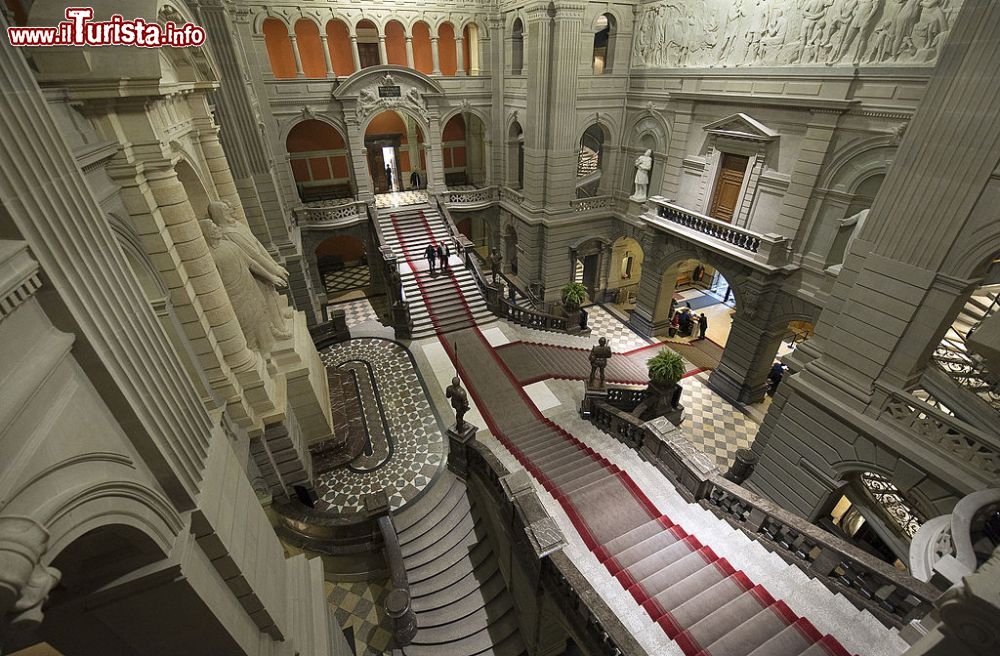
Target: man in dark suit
414,180
388,177
431,254
702,325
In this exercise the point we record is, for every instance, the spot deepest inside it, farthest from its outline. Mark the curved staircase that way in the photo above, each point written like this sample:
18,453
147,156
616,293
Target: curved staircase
457,590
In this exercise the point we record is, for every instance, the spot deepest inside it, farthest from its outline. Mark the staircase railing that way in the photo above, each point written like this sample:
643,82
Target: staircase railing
977,450
399,306
332,216
771,249
471,198
536,547
962,364
397,603
869,583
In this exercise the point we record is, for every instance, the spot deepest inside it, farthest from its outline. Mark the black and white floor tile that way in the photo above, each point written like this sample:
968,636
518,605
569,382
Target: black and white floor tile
604,324
357,312
418,443
716,427
346,279
400,199
359,606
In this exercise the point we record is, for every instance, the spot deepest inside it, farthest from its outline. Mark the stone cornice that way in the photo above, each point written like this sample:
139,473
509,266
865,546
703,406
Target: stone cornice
19,277
751,100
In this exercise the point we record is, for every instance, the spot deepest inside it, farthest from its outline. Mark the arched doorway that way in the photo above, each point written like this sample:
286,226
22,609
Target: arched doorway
591,160
394,145
368,48
515,156
588,260
693,287
423,57
604,44
317,154
625,273
343,266
310,48
516,47
395,43
463,147
447,52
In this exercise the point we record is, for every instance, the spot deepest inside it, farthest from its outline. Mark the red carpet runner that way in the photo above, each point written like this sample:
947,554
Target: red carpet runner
678,581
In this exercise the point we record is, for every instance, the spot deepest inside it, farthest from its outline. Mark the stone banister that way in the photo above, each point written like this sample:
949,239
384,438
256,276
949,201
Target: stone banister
332,216
766,249
471,198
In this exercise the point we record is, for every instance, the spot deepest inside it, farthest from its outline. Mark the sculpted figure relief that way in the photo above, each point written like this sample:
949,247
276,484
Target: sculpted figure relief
679,33
250,278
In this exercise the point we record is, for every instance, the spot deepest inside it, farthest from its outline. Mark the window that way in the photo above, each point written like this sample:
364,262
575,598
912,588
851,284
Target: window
517,47
604,32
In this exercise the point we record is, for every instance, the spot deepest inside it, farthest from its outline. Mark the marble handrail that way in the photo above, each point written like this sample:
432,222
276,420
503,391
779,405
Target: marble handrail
307,216
472,197
766,248
593,203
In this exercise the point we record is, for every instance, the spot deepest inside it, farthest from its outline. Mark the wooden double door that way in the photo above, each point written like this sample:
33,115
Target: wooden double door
726,196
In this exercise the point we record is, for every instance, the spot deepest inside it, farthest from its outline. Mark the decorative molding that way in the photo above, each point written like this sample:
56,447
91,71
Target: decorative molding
19,277
741,126
25,582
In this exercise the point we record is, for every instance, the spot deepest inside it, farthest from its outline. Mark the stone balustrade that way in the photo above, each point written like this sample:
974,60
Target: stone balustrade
593,203
471,198
331,216
892,596
976,449
763,248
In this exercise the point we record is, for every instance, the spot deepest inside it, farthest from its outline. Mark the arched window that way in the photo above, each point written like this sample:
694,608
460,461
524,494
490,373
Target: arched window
395,43
516,47
318,156
279,49
368,52
338,38
515,156
310,48
447,55
604,40
422,59
471,49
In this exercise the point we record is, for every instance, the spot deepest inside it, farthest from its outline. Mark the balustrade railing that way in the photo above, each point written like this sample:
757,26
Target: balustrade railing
767,248
472,197
593,203
892,596
975,448
325,217
511,196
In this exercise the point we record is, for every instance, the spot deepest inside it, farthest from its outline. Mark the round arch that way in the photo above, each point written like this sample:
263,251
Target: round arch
319,160
394,142
515,154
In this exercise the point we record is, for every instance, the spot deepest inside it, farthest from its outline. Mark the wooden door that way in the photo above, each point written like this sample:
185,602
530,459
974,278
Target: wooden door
591,263
368,54
376,166
727,187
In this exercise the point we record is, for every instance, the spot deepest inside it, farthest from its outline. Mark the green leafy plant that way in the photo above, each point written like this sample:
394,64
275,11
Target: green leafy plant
573,295
666,367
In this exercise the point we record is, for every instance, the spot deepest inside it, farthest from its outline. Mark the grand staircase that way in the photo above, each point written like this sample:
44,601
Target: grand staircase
458,592
962,364
453,293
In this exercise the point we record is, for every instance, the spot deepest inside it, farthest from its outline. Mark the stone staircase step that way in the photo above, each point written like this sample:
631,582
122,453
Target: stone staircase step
466,613
704,603
657,561
634,537
484,583
652,545
584,480
480,642
793,640
434,539
675,573
670,598
567,474
723,620
752,633
450,573
415,519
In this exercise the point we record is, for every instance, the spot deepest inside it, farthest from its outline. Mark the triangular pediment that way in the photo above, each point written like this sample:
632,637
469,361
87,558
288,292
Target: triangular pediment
741,126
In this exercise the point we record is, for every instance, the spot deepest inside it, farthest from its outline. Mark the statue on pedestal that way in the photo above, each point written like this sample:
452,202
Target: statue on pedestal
495,261
643,165
250,287
459,402
599,356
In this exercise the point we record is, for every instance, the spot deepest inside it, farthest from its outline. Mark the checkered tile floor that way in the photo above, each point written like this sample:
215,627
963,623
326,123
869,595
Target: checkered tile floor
418,441
400,198
714,426
347,279
357,312
604,324
358,606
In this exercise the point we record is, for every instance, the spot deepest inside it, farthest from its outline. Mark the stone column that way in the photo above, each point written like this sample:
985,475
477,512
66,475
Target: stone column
812,152
460,55
409,51
434,56
326,54
359,157
435,164
750,350
564,141
383,55
295,53
536,66
354,52
681,128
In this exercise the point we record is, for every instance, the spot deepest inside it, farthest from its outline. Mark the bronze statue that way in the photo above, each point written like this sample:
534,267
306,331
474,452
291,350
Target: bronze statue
459,401
599,356
495,260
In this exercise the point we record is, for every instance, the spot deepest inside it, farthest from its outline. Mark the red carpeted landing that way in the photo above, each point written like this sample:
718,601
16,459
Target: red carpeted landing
698,599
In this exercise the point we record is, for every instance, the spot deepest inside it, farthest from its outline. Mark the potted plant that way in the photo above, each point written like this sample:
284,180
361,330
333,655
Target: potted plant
663,395
573,295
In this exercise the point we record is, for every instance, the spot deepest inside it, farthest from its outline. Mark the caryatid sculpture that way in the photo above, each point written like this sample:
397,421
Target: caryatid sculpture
643,165
251,288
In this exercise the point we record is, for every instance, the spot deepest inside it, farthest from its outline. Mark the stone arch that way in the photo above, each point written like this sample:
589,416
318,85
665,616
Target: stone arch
319,159
102,554
515,153
423,59
517,33
735,274
260,17
395,42
310,47
605,30
199,193
857,161
338,38
447,47
605,121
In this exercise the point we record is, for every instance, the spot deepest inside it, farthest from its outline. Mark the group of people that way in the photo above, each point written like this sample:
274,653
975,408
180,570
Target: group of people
685,323
415,179
437,254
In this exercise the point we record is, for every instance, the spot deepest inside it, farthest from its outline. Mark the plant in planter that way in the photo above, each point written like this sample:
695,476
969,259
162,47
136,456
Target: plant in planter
573,296
663,395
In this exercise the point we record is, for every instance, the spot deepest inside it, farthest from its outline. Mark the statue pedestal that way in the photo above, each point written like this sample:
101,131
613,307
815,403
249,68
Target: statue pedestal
458,441
591,395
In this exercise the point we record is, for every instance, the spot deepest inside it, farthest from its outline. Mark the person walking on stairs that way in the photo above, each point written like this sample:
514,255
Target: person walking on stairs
431,254
702,326
442,257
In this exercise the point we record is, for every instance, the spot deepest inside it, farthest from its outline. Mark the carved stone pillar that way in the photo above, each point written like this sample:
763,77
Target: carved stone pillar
354,53
409,51
460,55
326,55
435,57
295,53
383,55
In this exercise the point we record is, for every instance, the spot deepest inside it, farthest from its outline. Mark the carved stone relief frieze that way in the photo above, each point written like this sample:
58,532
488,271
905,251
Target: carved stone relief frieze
700,33
371,101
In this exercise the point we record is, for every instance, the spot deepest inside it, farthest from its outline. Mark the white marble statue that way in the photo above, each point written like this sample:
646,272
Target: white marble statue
250,278
643,165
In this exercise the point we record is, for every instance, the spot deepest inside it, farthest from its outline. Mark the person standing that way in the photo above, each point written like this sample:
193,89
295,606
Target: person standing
414,180
447,254
702,325
431,254
442,260
388,177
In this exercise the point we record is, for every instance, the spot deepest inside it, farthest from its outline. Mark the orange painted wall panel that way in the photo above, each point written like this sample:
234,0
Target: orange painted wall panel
320,168
300,170
395,43
458,156
279,49
447,55
339,40
339,164
311,135
310,48
422,59
454,130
